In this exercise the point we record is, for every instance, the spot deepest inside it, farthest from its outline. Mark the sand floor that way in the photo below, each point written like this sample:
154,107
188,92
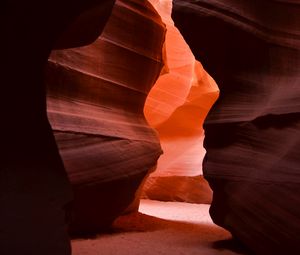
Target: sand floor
161,228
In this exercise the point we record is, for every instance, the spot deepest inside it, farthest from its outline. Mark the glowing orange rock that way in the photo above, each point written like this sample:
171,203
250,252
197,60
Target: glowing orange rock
177,106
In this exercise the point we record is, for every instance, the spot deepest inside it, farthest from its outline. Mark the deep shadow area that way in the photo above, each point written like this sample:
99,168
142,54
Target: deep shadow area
34,187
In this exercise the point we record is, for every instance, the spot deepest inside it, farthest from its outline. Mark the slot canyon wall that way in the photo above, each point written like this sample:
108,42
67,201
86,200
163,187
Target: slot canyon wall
176,107
34,188
127,108
96,96
252,134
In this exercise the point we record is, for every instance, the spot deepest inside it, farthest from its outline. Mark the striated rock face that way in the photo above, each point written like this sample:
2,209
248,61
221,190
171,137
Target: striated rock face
34,188
176,107
96,96
252,134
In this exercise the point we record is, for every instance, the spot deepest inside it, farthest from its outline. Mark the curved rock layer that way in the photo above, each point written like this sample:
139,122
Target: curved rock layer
96,96
176,107
252,49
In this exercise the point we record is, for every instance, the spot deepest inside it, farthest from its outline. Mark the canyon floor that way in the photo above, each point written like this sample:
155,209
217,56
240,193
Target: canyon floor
161,228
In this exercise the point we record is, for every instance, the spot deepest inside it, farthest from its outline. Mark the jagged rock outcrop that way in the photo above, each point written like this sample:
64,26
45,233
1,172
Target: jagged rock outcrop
252,134
34,188
96,96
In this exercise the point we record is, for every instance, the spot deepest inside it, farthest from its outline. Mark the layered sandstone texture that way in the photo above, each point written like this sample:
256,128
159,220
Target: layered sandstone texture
176,107
252,134
96,96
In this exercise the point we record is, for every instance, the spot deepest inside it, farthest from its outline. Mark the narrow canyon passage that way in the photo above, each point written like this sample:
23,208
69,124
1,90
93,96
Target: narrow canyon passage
191,102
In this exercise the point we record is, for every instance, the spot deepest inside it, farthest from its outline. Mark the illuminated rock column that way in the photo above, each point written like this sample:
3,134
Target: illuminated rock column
176,107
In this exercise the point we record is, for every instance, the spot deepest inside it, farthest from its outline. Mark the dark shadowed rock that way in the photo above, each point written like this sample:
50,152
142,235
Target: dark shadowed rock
252,49
34,187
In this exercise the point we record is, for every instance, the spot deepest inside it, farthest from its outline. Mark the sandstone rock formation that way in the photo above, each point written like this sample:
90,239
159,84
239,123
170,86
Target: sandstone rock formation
176,107
252,134
34,189
96,96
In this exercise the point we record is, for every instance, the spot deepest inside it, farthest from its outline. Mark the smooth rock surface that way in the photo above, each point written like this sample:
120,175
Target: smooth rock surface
162,228
96,96
189,189
176,107
252,134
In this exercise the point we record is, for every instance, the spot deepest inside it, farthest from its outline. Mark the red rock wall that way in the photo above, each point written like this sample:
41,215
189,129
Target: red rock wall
96,96
252,49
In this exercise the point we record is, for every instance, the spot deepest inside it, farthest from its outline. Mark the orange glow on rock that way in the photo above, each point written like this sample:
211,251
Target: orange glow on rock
179,102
